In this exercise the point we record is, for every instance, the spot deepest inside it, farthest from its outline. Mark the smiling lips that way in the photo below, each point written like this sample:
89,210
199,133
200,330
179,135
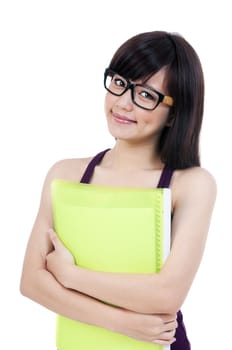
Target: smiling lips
122,120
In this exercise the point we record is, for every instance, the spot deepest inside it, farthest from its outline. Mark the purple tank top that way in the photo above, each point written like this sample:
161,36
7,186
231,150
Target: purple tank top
182,342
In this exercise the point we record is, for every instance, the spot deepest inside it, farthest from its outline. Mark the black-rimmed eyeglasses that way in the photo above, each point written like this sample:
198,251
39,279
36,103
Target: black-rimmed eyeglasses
142,95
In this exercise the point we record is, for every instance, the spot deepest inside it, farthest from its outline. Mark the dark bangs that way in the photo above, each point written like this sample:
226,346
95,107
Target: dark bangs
143,55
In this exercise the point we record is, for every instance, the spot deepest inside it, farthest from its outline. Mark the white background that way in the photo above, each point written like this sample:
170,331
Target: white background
53,54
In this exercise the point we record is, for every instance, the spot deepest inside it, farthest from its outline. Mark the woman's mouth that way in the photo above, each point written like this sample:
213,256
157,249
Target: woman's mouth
122,119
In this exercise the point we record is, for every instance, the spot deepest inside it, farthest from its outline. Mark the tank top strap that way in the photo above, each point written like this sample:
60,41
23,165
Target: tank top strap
164,180
165,177
90,168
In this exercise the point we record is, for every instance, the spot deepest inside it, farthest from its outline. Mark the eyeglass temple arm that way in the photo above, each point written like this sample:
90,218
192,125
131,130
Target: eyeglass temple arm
168,100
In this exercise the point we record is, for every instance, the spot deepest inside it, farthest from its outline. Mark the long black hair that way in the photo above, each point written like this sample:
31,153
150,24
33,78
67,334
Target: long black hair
144,55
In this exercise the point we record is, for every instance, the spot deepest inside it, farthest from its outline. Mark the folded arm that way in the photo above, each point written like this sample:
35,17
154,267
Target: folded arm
194,197
38,284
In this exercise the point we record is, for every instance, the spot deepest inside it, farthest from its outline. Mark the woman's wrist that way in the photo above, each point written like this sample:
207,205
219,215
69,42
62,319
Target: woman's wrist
69,278
116,320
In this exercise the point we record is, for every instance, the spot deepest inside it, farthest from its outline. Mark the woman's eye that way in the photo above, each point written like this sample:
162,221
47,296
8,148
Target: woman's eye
119,82
146,95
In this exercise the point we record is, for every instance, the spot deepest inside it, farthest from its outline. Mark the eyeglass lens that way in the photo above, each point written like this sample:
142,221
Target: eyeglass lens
141,95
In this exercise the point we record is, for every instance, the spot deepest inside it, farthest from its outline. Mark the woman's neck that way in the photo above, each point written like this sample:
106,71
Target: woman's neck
129,157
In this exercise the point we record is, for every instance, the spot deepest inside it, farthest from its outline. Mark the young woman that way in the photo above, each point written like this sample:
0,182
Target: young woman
154,109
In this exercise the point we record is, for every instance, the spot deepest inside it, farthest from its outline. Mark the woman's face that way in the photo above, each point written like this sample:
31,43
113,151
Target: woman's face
127,121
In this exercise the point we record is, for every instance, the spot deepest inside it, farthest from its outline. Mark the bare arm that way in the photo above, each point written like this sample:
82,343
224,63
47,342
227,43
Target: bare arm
166,291
38,284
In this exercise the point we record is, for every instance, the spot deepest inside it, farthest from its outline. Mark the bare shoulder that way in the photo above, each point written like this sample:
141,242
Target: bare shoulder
65,169
196,182
195,176
68,169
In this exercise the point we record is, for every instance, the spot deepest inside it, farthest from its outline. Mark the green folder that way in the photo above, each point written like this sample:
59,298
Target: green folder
110,229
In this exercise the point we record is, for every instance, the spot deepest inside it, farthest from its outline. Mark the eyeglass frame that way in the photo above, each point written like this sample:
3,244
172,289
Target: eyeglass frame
168,100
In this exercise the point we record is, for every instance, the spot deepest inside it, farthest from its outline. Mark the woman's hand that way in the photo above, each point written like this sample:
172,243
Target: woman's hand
156,329
60,259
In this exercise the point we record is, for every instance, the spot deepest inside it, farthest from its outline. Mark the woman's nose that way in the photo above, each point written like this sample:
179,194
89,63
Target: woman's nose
125,101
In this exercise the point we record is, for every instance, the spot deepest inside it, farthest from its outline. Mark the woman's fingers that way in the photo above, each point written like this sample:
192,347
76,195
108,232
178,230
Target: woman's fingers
164,342
170,326
167,333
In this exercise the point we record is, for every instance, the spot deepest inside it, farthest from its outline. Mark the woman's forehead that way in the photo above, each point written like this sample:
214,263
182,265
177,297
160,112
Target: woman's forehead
158,80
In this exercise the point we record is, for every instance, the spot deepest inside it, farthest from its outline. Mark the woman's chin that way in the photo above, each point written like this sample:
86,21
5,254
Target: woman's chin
121,132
